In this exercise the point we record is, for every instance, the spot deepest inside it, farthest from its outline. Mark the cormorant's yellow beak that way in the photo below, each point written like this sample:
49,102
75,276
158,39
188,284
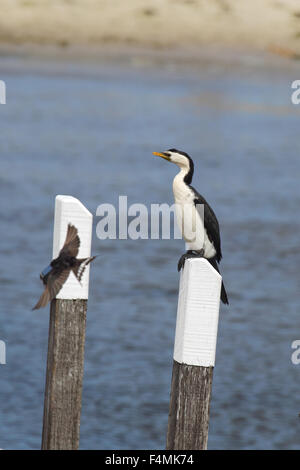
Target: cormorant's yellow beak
166,157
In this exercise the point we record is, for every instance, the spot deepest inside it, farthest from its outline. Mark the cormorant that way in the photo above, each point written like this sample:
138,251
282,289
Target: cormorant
206,242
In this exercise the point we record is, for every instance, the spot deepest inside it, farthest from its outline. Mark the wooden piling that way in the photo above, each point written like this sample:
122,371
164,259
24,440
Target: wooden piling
194,355
65,362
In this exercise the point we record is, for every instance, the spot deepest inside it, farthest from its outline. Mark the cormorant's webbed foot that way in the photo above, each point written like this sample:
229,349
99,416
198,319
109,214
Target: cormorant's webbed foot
189,254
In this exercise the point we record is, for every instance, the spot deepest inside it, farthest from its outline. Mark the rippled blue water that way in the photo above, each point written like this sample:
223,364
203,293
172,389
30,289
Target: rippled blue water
89,130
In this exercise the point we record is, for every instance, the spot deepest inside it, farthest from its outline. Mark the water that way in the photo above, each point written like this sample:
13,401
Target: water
89,130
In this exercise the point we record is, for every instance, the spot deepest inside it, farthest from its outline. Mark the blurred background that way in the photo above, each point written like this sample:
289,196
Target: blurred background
92,89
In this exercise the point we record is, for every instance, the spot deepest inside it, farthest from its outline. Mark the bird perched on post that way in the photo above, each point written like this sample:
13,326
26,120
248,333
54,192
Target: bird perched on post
206,241
56,274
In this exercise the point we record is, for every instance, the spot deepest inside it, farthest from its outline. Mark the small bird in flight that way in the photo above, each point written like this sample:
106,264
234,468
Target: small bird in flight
56,274
207,242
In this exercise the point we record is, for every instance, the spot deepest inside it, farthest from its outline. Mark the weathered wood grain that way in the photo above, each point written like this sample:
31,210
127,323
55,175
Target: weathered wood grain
64,376
189,407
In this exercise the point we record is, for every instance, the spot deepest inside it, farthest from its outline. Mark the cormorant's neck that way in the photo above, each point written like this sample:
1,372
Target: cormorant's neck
186,174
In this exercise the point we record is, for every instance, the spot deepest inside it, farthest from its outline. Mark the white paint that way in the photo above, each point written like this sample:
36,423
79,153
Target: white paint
197,313
68,209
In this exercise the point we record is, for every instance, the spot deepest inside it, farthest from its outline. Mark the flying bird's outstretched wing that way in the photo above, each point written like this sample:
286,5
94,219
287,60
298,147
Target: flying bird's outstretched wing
56,281
44,299
72,242
54,284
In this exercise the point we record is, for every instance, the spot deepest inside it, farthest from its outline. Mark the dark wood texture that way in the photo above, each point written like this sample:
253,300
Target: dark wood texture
189,407
65,363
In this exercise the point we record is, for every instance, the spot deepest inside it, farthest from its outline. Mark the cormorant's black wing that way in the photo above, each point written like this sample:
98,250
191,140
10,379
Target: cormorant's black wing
211,223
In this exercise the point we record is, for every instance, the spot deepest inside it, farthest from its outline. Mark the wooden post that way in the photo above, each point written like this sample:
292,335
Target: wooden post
65,362
194,355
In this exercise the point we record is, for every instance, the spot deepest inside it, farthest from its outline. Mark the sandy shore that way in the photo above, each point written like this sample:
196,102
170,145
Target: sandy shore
272,25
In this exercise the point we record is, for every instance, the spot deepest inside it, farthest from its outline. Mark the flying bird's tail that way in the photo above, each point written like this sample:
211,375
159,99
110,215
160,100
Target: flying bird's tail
81,264
214,264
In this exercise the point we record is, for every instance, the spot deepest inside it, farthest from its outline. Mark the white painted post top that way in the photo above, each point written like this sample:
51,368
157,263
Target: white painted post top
68,209
197,313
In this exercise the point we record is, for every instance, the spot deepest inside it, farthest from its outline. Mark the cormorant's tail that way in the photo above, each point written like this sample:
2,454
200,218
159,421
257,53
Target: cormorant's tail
224,297
81,264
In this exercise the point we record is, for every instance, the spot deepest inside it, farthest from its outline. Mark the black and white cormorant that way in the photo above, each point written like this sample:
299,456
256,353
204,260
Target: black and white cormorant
207,242
56,274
